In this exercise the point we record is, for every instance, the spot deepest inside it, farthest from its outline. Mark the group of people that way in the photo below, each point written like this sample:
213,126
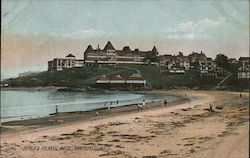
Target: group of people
139,106
143,104
110,103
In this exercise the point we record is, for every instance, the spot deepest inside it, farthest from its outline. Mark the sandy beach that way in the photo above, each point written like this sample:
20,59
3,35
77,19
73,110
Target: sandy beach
181,130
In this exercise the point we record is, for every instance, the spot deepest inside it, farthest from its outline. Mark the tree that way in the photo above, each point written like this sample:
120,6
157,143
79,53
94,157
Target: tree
221,60
152,57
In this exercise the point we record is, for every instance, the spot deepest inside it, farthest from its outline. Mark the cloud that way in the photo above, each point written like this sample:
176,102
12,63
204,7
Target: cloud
191,30
84,33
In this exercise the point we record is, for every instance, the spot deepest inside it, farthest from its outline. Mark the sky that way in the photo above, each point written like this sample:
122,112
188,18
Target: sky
35,31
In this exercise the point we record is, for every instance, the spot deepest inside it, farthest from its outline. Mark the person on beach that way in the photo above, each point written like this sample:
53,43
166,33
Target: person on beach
211,108
240,95
139,107
97,114
56,109
165,103
143,103
117,102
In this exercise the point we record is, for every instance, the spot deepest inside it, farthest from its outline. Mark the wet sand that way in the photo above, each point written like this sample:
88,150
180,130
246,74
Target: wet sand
182,129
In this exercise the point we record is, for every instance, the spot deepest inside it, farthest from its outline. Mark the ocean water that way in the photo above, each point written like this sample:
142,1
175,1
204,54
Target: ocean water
23,104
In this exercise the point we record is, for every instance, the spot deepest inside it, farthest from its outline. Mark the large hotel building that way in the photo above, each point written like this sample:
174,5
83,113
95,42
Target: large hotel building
107,55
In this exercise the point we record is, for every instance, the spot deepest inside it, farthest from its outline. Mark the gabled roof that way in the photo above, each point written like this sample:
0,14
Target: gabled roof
135,77
118,77
136,50
108,46
154,49
89,49
126,49
70,55
103,78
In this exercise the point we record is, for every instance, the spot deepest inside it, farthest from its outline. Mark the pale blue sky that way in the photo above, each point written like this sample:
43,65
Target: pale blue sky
172,25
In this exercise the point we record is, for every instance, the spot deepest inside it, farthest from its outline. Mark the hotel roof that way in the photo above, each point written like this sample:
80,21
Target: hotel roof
108,46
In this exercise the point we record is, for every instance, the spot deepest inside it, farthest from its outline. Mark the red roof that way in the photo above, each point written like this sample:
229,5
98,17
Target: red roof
135,77
118,77
103,78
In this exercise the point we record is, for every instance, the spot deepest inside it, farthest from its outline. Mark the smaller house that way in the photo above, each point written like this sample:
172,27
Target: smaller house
4,85
136,81
174,64
59,64
244,70
196,57
207,68
103,82
118,81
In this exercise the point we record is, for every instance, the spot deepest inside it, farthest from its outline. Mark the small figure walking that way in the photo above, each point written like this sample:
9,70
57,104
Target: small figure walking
117,102
240,95
139,107
56,109
165,103
97,114
211,108
143,103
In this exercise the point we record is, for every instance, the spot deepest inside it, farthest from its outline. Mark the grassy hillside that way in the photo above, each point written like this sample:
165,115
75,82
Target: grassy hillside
83,77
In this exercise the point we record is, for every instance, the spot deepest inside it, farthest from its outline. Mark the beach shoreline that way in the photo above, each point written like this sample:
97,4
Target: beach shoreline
185,129
82,116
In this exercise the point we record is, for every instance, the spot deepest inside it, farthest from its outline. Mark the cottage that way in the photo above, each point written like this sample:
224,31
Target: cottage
196,57
118,81
103,82
133,81
244,70
59,64
136,81
209,69
174,64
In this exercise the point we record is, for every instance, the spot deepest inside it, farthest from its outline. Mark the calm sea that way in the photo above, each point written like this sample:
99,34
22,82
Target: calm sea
16,105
